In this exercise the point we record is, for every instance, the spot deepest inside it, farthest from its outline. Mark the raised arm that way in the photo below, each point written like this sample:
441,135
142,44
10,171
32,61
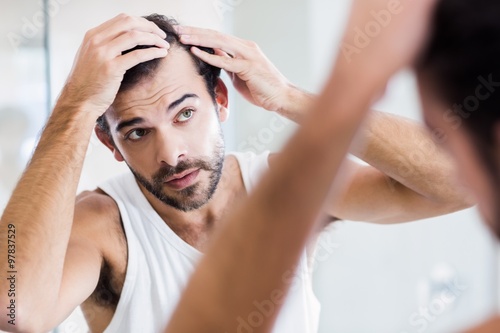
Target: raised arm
53,271
249,256
253,75
408,177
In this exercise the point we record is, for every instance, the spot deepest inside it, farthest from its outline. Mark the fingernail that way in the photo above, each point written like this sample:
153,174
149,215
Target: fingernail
185,37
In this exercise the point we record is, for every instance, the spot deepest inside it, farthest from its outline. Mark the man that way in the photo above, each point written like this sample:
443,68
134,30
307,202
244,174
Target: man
458,77
126,250
457,72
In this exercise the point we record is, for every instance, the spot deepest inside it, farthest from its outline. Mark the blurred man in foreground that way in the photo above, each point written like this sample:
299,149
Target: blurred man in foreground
458,75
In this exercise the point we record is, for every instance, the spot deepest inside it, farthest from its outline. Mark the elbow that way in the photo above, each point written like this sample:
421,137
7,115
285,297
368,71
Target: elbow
8,319
466,203
458,202
15,329
11,322
451,196
16,321
454,193
464,199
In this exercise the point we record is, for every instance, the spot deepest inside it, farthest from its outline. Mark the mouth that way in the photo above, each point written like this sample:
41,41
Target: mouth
183,179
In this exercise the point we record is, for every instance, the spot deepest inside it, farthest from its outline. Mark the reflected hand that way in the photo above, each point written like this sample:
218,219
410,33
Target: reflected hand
100,66
252,74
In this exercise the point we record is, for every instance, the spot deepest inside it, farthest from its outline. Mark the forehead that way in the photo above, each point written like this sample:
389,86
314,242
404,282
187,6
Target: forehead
175,76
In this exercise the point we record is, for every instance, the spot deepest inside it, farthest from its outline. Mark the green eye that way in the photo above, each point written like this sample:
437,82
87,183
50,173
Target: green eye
185,115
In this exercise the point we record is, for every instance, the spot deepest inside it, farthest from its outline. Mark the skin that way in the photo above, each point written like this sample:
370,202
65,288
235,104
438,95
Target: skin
170,137
414,23
73,240
53,258
331,120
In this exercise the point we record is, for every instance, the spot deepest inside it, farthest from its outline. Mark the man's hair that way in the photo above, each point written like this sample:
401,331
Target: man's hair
463,54
148,69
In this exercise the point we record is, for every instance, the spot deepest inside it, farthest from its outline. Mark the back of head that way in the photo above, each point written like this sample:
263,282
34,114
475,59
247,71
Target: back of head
461,67
463,53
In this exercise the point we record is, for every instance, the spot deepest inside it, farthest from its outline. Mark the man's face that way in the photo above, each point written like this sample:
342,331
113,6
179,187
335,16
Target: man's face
452,135
167,130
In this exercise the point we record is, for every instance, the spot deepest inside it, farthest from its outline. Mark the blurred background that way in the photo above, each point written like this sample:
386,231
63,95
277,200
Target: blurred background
437,275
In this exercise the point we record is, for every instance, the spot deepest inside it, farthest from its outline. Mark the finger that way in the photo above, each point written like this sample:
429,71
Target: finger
121,24
213,39
129,60
221,53
225,62
132,39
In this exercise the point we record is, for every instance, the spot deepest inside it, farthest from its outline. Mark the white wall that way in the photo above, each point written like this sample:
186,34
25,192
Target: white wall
22,91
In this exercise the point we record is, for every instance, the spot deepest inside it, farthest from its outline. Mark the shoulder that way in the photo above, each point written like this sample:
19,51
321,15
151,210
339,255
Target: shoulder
97,219
95,205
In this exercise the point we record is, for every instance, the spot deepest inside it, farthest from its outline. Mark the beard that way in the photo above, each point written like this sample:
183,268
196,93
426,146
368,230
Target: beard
191,197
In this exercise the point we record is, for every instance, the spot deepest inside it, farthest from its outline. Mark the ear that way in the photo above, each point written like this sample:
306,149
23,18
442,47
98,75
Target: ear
222,99
108,142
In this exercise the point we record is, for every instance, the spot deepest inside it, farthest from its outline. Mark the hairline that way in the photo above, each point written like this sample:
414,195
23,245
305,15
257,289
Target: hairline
174,46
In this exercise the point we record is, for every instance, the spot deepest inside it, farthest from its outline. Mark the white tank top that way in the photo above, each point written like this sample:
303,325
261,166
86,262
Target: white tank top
160,264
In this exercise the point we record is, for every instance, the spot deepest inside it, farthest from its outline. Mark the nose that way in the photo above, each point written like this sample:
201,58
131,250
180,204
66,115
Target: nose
171,148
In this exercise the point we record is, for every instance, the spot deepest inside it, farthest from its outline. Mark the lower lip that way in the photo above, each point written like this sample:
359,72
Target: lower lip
181,183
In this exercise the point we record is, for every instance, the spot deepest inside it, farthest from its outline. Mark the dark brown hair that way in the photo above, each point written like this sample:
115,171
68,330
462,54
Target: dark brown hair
148,69
463,54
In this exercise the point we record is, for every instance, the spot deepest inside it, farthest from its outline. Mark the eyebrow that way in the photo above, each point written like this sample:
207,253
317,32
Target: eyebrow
175,104
127,123
138,120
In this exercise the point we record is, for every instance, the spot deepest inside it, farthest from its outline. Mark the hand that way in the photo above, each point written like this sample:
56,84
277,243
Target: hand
252,74
100,66
383,36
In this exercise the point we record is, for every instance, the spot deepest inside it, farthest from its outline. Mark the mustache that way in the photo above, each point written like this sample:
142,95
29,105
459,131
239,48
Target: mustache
167,171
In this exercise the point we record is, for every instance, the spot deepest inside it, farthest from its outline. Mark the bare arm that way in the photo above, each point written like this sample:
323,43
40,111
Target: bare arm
41,211
279,215
42,207
252,74
408,176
